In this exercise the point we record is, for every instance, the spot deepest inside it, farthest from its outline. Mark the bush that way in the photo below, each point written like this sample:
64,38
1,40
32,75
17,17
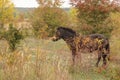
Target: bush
13,37
46,19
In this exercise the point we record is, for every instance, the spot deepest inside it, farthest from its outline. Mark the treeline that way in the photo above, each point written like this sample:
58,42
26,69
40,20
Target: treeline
86,17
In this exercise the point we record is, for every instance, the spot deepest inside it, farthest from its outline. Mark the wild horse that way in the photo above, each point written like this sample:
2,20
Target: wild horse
89,43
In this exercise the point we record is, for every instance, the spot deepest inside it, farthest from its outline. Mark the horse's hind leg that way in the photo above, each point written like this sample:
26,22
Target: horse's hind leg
106,55
73,59
99,58
104,59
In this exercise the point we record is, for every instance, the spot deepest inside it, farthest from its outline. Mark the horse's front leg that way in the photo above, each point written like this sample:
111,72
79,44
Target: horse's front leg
76,57
99,58
73,56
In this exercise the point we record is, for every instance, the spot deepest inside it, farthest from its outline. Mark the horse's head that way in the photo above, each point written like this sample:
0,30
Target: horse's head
63,33
58,35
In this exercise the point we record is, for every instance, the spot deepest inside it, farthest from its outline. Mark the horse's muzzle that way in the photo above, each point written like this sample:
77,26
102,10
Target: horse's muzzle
54,38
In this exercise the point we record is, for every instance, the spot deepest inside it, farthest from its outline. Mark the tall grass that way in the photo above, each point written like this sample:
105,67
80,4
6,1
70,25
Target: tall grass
39,65
45,60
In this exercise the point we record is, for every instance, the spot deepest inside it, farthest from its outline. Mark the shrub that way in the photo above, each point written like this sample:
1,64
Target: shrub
13,37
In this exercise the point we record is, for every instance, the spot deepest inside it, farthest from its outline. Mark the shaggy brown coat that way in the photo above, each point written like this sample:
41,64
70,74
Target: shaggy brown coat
87,43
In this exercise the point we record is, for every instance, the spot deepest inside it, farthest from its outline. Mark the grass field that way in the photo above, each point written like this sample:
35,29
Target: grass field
46,60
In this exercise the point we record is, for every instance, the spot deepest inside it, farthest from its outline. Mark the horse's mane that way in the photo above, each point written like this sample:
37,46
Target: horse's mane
67,29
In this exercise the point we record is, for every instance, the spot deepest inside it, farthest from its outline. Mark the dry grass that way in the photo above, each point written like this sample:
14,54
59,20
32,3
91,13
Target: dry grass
34,64
46,60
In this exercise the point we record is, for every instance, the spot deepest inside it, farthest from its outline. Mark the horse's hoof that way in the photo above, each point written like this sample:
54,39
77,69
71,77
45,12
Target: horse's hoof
104,66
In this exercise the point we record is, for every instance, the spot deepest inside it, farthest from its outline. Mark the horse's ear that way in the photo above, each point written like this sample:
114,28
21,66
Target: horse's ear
59,28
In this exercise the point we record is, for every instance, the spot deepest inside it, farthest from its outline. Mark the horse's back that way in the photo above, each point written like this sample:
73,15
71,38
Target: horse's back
98,36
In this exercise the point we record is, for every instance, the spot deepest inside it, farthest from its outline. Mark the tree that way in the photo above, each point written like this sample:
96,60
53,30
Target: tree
49,3
73,19
6,12
47,17
95,13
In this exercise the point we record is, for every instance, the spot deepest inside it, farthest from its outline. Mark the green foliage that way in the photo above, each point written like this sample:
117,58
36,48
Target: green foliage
74,23
94,15
2,31
46,19
105,28
13,37
6,12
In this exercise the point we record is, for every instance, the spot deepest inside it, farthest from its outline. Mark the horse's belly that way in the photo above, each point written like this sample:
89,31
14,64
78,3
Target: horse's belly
88,50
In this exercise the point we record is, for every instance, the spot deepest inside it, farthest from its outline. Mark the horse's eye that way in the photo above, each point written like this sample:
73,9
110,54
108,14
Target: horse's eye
58,33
